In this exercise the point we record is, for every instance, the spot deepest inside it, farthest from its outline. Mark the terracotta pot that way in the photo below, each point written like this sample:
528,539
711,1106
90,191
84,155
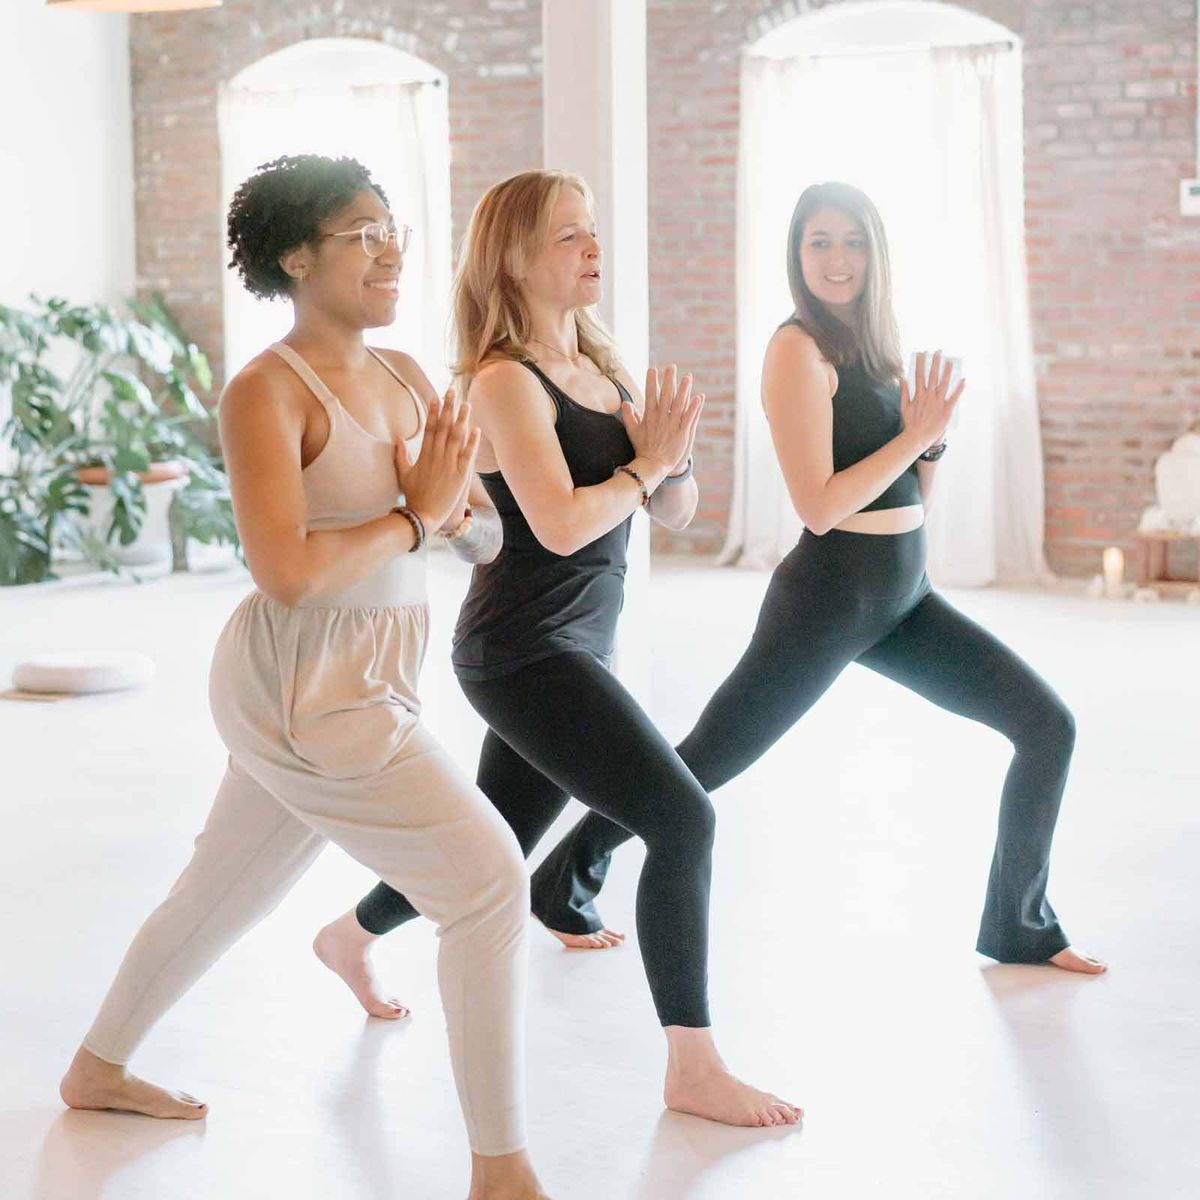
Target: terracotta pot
160,472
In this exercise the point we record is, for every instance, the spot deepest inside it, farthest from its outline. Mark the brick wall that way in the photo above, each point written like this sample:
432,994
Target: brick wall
1110,130
489,49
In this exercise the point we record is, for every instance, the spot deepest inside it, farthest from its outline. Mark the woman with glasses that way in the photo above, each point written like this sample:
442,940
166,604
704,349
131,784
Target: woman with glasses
343,463
570,453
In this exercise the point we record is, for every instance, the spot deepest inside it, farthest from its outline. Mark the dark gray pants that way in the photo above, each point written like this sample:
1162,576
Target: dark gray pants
850,597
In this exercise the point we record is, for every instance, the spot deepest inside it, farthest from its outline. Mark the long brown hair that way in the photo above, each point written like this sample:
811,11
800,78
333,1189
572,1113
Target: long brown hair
509,226
873,336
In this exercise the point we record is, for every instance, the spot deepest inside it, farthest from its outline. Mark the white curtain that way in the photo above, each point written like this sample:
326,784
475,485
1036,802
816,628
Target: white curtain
934,137
401,133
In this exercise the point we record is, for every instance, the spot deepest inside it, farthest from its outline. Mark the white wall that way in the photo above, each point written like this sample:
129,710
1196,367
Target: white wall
66,154
594,124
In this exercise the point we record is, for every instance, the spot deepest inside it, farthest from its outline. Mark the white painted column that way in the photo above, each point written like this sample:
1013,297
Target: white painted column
594,124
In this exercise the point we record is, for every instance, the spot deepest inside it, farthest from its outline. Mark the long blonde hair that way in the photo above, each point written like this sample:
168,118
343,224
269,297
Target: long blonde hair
873,338
509,226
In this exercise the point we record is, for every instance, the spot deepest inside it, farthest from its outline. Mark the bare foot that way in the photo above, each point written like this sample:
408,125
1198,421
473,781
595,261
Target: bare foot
1072,960
92,1083
343,946
505,1177
602,939
719,1096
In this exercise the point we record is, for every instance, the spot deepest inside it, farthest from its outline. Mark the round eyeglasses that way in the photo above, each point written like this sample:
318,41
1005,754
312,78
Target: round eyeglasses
376,236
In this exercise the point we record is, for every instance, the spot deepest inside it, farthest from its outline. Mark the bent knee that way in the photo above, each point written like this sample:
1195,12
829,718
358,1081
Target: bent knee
509,874
692,823
490,878
1050,728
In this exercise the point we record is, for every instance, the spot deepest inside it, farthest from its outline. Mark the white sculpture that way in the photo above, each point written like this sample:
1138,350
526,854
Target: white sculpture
1177,487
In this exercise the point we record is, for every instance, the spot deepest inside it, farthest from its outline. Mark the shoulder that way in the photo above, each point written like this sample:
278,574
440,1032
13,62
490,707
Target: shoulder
504,377
631,389
794,369
506,395
792,343
409,371
794,352
265,383
403,364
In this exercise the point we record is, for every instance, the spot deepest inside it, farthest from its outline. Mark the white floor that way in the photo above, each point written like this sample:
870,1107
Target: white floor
849,874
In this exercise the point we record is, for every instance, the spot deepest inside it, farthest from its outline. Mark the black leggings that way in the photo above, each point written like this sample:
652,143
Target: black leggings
565,727
846,597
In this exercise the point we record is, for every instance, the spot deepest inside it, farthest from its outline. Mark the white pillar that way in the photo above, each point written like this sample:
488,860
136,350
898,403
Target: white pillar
594,124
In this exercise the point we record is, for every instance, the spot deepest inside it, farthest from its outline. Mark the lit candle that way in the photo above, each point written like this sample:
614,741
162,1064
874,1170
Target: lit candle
1114,570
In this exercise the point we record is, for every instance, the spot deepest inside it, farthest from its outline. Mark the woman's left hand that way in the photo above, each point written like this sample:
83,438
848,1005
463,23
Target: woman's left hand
681,465
458,513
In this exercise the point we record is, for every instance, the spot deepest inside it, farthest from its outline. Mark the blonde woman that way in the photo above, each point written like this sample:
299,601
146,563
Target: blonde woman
859,454
570,454
343,464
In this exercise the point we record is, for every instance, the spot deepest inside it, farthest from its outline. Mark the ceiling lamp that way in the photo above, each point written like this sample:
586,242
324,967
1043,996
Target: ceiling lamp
133,6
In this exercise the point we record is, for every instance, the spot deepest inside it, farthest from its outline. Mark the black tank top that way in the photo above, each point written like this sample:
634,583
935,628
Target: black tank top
866,416
529,603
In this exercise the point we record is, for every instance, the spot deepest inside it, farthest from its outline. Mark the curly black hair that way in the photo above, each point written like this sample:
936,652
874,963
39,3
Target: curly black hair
281,207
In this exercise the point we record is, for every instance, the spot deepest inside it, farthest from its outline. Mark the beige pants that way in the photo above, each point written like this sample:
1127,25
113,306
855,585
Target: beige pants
318,709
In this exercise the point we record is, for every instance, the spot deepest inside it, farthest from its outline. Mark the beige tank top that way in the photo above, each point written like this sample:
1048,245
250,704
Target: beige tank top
353,480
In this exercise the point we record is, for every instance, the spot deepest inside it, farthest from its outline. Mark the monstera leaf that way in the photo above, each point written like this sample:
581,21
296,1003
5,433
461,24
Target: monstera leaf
132,398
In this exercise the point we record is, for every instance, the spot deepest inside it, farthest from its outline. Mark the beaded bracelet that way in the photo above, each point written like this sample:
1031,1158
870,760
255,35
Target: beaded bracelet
638,480
418,526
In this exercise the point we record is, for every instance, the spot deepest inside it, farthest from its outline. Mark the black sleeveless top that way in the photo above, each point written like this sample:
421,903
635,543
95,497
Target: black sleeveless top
866,416
529,603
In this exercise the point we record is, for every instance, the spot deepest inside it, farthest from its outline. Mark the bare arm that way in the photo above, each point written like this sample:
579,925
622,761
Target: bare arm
926,474
485,537
511,409
483,541
798,400
673,505
262,424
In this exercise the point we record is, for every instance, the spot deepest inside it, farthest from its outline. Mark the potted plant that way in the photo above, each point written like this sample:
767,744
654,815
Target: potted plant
98,446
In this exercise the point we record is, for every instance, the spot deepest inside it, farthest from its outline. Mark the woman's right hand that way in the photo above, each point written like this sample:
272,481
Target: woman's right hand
443,468
666,427
927,413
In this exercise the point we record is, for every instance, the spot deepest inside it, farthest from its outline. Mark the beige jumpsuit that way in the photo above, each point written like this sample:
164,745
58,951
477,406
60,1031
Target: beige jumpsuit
318,707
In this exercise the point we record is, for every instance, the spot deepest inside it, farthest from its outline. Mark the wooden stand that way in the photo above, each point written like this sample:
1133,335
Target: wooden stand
1152,564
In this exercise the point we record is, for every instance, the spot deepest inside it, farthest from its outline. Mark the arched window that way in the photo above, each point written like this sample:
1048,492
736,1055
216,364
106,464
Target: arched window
920,105
388,109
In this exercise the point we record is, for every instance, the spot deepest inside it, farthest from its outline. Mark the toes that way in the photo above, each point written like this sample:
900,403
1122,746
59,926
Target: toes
388,1011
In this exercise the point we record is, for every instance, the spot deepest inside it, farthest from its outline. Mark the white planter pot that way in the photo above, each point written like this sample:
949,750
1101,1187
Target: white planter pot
153,543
